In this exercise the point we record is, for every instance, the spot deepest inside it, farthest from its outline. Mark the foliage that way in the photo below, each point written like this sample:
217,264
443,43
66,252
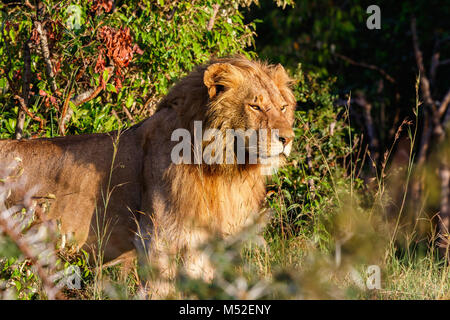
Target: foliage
149,43
306,188
331,38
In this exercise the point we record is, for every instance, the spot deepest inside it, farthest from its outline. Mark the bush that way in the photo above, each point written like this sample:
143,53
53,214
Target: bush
85,66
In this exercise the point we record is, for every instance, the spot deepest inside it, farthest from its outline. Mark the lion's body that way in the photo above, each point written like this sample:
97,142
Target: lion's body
159,207
71,176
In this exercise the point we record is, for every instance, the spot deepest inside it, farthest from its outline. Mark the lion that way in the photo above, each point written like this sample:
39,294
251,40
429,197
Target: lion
124,193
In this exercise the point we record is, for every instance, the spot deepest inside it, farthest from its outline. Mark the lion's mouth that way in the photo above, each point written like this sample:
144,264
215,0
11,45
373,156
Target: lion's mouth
277,152
287,149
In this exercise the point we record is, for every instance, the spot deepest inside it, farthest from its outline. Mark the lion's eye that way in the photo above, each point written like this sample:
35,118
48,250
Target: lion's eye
255,107
283,108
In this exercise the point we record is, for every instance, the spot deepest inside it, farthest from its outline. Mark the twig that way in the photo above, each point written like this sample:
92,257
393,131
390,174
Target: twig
362,161
92,93
44,46
25,89
46,55
444,214
15,235
424,141
444,62
80,99
368,121
29,5
212,20
368,66
311,185
51,289
435,63
172,13
114,113
310,181
425,84
444,104
63,119
129,116
29,113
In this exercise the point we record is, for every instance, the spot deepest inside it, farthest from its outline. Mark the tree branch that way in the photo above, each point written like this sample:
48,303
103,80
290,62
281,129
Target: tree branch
444,62
434,65
29,113
368,66
213,17
424,82
312,187
52,291
128,114
26,78
360,99
444,214
77,100
44,46
444,104
29,5
46,55
64,118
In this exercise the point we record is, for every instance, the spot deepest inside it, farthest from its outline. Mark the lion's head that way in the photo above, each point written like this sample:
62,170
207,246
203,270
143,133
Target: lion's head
245,110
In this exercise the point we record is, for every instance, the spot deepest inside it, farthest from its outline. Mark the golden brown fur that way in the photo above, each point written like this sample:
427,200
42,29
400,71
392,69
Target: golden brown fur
176,206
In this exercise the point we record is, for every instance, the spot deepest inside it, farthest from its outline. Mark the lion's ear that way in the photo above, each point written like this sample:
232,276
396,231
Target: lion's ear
221,76
284,83
280,76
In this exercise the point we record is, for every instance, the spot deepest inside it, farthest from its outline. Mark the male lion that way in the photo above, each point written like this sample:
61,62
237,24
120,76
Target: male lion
126,191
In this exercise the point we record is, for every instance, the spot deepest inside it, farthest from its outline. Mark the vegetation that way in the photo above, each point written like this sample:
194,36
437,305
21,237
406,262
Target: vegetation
367,183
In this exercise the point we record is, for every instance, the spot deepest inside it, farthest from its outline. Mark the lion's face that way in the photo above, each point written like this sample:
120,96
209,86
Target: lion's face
256,99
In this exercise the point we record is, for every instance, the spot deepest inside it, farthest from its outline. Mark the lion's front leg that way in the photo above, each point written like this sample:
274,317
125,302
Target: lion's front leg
158,277
184,253
197,265
157,265
161,282
167,255
196,260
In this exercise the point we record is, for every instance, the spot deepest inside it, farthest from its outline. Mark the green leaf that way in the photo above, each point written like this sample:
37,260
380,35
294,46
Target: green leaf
105,75
111,88
130,101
